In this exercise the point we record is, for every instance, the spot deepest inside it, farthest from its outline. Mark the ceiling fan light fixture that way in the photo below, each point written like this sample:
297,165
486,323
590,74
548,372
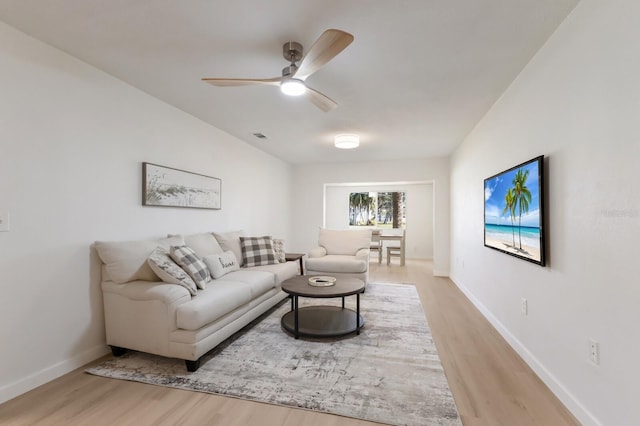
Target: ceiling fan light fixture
347,141
293,87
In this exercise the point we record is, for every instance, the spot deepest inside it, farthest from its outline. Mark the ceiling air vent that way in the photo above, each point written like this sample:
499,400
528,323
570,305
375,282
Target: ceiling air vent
259,135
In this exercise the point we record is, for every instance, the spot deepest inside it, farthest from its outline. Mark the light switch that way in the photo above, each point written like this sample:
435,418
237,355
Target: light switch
4,221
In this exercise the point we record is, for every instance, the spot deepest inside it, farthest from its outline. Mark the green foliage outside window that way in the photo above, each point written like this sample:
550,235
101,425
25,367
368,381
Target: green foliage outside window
377,209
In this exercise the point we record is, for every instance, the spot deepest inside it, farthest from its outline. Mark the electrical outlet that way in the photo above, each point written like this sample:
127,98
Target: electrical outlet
4,221
594,352
525,307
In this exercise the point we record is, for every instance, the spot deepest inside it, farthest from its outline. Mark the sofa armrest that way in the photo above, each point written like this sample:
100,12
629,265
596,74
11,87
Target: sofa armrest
318,252
363,253
140,315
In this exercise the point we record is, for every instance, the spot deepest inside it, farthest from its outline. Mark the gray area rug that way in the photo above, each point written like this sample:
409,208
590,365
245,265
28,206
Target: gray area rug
390,373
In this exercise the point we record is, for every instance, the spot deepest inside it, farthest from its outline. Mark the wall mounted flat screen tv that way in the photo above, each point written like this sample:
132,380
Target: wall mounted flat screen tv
514,211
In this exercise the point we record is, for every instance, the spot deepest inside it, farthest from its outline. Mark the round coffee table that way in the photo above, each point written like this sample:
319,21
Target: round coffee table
322,321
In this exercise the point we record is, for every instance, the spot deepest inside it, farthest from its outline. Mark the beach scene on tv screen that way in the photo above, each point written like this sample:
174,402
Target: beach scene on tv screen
512,212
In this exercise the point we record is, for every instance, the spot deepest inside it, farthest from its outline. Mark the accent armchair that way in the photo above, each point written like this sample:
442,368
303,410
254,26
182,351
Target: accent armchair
341,253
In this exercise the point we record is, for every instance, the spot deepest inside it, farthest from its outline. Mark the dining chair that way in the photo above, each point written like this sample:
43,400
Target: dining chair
376,244
397,250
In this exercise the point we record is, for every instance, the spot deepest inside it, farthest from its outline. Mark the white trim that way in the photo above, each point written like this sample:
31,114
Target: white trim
573,405
431,182
45,375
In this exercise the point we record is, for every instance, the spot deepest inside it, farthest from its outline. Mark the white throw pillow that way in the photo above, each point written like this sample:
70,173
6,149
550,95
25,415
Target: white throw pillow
278,249
221,264
231,241
192,264
169,271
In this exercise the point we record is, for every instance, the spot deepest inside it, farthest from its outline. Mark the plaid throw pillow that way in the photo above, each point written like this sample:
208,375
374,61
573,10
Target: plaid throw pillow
257,251
192,265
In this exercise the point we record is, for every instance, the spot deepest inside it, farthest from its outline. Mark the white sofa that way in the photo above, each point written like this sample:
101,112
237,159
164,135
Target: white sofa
145,314
341,253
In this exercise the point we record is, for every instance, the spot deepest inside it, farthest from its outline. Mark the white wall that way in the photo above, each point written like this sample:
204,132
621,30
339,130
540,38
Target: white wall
308,188
72,140
578,103
419,212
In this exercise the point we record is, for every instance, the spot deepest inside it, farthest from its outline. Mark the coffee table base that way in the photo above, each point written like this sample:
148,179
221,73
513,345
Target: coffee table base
323,321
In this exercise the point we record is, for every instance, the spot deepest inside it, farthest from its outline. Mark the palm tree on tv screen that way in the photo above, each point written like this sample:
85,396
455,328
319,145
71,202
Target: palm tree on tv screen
522,197
510,205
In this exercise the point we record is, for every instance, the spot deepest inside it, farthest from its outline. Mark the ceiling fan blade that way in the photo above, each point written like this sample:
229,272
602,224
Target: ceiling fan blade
318,99
326,47
228,82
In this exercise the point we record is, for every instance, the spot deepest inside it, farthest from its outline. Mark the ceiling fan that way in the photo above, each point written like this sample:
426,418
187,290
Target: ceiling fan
292,82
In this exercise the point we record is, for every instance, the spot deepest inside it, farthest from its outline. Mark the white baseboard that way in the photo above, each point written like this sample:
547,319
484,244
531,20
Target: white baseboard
564,395
45,375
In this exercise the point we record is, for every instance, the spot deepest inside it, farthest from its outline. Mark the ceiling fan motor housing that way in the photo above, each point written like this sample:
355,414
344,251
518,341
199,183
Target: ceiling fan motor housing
292,51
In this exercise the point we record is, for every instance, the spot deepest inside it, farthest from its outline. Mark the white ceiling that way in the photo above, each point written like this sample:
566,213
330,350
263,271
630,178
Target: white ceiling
418,77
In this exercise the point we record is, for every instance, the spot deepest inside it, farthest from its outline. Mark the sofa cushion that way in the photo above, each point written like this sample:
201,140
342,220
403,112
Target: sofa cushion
257,251
221,264
278,250
169,271
337,263
192,264
344,242
258,282
231,241
126,261
217,300
204,244
281,271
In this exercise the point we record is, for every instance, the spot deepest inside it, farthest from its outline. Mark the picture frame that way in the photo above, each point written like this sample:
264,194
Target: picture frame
514,211
168,187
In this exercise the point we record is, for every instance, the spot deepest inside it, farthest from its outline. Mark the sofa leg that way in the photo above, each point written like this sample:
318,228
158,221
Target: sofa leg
118,351
192,365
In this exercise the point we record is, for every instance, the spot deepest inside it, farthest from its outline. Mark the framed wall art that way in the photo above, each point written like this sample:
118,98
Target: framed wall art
168,187
514,211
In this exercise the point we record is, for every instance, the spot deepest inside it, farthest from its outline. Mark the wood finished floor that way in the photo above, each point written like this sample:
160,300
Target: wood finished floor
490,383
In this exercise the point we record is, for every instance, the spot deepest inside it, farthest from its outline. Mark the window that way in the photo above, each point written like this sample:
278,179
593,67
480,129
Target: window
377,209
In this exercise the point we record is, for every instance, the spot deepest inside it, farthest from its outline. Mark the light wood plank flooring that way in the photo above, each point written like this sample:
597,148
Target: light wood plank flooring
490,383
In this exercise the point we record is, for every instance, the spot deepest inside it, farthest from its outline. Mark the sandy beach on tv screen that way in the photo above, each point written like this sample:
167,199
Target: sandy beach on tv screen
526,251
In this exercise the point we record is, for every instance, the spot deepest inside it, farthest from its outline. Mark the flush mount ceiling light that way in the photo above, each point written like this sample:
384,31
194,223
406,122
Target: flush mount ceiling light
347,141
293,87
